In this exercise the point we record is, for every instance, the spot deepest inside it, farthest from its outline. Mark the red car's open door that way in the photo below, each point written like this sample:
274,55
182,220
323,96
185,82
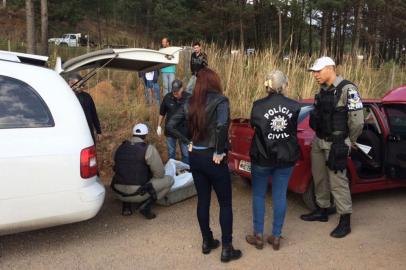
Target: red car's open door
394,104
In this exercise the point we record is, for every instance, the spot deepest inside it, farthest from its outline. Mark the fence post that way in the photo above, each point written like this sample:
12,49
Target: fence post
9,45
393,75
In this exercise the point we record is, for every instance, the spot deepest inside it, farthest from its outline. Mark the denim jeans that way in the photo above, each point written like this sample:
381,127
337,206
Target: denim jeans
155,87
167,79
191,84
171,145
260,181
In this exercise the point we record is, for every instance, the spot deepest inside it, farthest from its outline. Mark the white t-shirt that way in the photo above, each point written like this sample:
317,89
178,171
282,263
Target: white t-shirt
149,76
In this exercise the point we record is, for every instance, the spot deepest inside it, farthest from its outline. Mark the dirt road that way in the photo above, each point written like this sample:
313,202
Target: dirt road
172,240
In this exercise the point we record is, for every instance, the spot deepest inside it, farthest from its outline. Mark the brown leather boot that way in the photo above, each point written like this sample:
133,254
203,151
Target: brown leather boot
256,240
275,242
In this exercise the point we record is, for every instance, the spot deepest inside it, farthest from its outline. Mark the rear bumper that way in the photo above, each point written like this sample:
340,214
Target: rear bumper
47,210
299,180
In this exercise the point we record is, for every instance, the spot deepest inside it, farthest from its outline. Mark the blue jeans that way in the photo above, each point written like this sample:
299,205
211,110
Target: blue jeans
191,84
171,144
260,180
167,79
155,87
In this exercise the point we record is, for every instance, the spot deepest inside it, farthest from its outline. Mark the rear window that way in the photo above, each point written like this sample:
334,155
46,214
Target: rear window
304,112
21,106
397,119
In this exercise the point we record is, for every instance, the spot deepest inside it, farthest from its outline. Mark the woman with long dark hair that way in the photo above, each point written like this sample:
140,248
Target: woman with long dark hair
207,114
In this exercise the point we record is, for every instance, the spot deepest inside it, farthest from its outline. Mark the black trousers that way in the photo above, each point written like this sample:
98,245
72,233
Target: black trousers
208,175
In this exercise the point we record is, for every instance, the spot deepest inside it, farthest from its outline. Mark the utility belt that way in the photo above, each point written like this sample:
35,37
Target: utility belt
333,138
142,190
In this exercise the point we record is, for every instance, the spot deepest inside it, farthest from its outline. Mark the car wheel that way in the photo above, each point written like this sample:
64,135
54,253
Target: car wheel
309,197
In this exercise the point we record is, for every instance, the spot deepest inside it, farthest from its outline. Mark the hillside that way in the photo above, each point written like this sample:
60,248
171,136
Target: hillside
14,29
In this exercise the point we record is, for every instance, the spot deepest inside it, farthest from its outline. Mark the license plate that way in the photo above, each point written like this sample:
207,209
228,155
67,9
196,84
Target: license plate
244,166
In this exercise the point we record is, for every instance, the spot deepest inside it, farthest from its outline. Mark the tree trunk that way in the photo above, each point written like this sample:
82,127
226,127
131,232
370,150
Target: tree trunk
301,22
329,25
4,3
357,27
323,33
44,27
342,44
99,24
241,3
280,28
310,32
30,16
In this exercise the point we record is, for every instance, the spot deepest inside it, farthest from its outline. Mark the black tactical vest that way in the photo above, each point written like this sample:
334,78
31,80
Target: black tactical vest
130,165
327,119
275,140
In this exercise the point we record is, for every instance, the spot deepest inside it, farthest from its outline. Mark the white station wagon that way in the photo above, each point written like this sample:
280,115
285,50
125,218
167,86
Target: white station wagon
48,168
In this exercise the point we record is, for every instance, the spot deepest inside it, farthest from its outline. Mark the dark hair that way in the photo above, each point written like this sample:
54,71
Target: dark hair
75,76
167,39
196,43
207,80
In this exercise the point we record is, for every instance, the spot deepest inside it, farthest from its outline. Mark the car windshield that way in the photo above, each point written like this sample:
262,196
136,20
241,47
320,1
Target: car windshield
304,112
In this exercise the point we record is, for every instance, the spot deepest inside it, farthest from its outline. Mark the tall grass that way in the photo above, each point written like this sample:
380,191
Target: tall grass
120,102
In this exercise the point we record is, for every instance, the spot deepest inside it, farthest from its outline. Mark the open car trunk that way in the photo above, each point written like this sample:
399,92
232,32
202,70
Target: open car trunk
133,59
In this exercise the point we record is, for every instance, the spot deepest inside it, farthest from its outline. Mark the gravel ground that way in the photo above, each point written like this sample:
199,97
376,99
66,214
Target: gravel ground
172,240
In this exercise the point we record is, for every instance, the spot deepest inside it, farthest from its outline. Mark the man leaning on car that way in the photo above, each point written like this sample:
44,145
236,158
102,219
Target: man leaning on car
338,120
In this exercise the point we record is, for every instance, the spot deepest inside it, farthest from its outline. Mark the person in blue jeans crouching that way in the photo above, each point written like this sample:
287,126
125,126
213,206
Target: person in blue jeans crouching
274,151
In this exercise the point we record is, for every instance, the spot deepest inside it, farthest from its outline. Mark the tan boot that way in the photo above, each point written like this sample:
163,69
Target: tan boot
275,242
256,240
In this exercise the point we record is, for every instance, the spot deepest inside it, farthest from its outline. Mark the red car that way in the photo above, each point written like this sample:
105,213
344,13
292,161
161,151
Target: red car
382,164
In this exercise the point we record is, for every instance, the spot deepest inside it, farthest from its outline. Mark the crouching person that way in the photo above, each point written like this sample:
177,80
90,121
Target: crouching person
139,174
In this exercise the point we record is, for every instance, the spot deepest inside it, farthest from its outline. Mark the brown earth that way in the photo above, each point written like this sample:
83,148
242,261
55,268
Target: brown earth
172,240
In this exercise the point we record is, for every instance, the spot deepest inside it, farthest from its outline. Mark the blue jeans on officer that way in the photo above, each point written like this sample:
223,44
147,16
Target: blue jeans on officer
260,183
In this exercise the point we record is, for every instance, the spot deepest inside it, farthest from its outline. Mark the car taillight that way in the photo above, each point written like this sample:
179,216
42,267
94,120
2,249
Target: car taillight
88,163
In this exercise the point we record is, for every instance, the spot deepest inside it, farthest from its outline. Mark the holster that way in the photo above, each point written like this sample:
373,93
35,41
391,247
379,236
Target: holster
337,158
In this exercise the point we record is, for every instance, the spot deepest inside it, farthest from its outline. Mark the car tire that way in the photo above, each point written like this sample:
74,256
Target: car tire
309,197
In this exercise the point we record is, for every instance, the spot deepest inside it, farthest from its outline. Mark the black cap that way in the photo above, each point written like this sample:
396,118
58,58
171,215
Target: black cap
176,85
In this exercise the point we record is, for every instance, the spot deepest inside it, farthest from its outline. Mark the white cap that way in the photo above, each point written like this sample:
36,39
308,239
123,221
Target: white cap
321,63
140,129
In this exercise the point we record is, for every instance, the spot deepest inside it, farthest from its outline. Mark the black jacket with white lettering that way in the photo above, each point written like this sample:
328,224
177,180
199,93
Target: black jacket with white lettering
274,119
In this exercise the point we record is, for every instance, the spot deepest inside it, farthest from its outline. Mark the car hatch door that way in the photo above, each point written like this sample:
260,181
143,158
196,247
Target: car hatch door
131,59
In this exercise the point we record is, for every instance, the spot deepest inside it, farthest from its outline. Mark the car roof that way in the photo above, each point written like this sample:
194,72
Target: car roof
32,59
397,95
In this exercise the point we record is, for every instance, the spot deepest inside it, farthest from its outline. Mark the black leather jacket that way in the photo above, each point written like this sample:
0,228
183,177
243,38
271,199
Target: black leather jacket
274,119
217,123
